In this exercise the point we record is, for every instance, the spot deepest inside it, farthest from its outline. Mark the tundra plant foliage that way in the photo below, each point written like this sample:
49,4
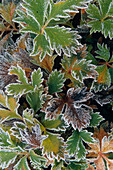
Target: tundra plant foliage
56,76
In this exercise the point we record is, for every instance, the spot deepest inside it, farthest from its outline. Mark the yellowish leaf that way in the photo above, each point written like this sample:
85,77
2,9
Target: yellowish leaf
12,104
10,110
51,144
2,100
7,12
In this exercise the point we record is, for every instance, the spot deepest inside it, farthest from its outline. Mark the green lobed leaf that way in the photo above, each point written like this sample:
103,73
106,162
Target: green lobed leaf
28,115
35,18
86,136
93,12
55,82
77,166
103,52
60,38
96,118
20,73
82,69
4,138
77,70
107,28
91,57
22,164
27,22
102,17
75,144
95,26
36,9
105,7
41,46
81,152
7,157
36,78
18,89
36,160
62,8
35,100
58,123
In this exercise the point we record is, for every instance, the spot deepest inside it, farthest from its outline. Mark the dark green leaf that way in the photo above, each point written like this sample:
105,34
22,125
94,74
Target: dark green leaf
55,82
96,118
35,100
86,136
73,142
37,78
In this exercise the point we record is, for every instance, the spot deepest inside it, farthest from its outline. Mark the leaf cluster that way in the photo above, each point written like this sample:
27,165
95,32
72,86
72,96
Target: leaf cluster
53,85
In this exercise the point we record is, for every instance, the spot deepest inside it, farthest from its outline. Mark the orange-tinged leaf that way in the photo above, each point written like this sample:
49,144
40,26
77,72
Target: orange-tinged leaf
95,147
104,75
59,3
11,103
8,114
99,162
107,144
10,110
109,164
90,167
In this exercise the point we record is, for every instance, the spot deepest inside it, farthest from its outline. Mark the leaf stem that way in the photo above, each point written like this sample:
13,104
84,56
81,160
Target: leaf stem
42,30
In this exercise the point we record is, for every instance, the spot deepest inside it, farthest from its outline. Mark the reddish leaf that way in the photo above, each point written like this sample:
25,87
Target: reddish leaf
33,138
71,105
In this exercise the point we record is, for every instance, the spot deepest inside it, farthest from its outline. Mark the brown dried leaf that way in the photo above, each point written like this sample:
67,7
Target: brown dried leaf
47,63
22,59
56,107
100,133
71,105
33,138
5,78
79,117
